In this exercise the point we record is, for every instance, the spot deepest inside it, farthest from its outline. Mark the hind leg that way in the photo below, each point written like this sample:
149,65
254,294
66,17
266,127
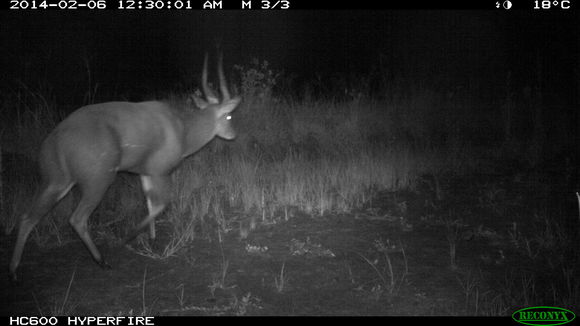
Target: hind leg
47,198
92,193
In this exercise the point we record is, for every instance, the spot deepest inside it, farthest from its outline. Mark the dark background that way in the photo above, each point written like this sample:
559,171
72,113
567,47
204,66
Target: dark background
469,49
489,55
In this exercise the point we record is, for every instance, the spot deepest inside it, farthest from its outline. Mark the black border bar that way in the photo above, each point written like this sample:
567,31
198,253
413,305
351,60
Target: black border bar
271,5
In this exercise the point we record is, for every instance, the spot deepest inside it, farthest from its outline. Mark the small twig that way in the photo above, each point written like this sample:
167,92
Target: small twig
68,290
279,282
578,196
375,268
143,292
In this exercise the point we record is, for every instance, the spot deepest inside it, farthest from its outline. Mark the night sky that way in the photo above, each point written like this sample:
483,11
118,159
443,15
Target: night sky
143,50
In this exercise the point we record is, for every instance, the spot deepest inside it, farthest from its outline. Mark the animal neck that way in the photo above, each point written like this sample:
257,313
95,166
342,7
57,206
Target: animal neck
199,131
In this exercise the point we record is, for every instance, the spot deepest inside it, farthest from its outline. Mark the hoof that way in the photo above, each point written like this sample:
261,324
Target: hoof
14,278
104,265
153,244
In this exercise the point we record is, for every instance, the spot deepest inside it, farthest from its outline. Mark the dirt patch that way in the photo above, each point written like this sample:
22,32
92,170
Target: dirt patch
406,255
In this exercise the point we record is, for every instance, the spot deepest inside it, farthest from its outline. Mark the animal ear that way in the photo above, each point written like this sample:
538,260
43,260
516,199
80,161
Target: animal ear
228,106
198,101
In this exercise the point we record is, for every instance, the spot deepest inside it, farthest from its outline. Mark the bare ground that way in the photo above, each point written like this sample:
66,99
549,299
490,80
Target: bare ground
391,258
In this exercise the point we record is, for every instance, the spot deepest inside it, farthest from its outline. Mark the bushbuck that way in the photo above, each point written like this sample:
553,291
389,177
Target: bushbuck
91,145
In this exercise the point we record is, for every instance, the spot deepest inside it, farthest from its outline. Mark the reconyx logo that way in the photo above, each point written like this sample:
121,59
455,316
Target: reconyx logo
543,316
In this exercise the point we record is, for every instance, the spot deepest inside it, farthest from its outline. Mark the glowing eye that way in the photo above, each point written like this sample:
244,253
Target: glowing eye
229,117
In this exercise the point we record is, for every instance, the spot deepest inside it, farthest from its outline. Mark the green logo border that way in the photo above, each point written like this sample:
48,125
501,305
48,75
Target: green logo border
543,324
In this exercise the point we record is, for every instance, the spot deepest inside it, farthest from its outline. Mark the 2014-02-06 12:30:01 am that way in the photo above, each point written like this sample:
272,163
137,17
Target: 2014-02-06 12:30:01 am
99,4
